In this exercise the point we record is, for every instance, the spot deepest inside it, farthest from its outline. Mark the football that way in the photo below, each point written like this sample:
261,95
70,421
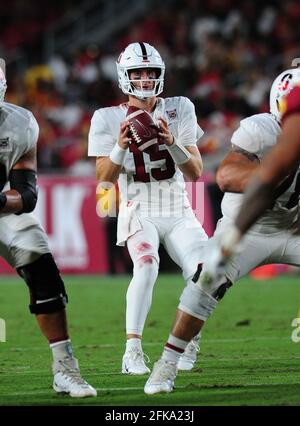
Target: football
143,130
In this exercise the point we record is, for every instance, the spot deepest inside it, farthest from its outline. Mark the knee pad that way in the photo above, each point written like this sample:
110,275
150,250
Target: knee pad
47,290
196,302
216,289
218,293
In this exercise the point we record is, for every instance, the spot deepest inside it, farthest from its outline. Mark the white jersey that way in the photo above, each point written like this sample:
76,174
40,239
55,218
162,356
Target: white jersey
22,239
257,134
149,179
18,134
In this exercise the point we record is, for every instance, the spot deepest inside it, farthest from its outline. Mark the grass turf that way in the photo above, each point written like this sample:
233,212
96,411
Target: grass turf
247,355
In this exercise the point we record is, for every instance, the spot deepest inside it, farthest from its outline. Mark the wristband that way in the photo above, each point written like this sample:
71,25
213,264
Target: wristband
179,153
3,200
117,155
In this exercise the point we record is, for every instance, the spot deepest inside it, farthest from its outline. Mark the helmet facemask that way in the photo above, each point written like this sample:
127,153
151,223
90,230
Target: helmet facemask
140,56
131,86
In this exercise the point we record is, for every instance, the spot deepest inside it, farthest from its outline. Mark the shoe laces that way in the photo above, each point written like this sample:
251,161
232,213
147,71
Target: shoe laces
192,348
137,354
71,373
163,371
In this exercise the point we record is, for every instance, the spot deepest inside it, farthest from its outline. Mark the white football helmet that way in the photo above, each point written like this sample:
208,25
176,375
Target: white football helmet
3,86
137,56
281,86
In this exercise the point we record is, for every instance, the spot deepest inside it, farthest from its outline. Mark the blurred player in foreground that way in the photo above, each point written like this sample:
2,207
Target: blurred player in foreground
266,242
267,184
24,244
154,206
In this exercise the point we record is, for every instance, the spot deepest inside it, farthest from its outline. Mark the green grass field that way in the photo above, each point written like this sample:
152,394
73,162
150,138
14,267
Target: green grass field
247,354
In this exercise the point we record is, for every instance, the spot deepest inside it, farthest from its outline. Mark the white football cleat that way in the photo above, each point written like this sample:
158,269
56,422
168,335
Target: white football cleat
188,358
67,379
162,377
133,362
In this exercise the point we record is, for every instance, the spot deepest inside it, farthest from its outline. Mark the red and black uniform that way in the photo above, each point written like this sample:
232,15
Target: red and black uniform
291,103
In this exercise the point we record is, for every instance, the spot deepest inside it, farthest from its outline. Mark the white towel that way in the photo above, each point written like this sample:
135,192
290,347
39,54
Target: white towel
128,221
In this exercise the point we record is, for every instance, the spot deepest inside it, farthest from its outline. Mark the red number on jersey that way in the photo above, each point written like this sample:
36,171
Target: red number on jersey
156,172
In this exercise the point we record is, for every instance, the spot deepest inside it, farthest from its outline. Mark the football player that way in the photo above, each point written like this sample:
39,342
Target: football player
266,242
24,244
272,176
154,206
265,186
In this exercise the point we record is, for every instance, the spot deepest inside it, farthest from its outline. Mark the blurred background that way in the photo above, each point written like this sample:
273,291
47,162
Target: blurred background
60,58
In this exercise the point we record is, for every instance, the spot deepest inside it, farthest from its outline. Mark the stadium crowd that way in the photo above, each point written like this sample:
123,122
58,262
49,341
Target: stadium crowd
222,54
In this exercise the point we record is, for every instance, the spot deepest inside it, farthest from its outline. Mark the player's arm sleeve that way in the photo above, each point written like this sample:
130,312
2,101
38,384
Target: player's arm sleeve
100,140
248,139
189,132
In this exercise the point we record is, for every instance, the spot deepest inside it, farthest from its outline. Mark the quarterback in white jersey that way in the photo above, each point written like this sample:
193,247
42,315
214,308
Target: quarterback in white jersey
266,242
24,244
154,207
